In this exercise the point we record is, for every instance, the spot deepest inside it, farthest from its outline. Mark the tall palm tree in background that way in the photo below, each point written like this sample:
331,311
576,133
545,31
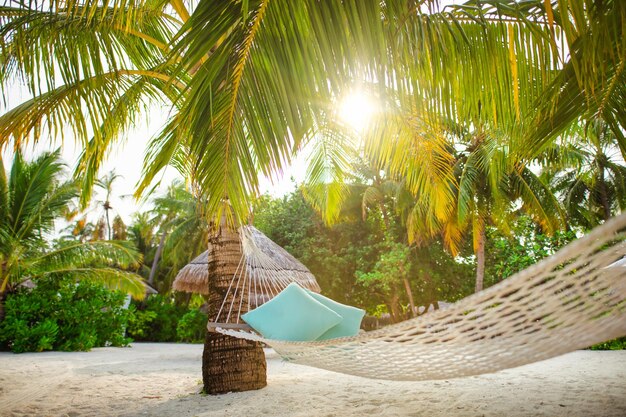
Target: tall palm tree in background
248,83
491,184
31,198
106,184
183,227
589,175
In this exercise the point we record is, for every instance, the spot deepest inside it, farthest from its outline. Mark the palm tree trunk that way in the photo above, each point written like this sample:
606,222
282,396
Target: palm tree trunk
409,293
3,296
394,306
157,256
229,364
108,224
602,189
232,365
480,258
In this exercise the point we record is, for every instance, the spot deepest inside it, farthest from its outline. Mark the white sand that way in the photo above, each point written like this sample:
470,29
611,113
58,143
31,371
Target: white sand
164,380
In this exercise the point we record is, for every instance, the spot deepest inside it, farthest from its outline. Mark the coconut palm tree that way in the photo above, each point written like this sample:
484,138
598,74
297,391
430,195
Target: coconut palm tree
241,105
590,176
491,186
183,227
106,184
250,82
31,198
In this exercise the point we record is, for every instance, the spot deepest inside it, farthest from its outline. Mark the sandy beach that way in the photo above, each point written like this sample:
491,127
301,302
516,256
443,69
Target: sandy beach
151,379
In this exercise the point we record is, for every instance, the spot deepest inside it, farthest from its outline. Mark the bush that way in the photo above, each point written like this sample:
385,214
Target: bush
60,314
615,344
192,327
139,323
156,320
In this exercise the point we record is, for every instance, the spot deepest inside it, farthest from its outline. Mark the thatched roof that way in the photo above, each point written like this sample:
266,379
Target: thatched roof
285,269
194,277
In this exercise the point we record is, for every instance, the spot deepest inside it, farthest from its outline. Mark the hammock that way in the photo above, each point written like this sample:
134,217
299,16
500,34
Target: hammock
571,300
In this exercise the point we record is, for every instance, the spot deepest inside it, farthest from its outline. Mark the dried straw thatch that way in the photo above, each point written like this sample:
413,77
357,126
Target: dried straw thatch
195,276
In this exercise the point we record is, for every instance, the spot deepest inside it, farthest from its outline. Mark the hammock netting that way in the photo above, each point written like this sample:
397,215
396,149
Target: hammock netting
571,300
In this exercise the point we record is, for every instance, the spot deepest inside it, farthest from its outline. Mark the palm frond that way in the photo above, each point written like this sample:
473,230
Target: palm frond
101,261
4,194
60,41
80,106
120,254
34,197
592,84
331,154
113,278
538,200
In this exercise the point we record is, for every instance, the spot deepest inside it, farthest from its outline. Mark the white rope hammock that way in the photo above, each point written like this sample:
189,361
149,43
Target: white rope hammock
574,299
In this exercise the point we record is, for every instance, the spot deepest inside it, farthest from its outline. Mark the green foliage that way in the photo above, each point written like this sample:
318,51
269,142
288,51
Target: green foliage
331,253
139,323
615,344
192,327
436,275
60,314
240,105
156,320
161,319
588,175
337,255
33,197
526,245
391,268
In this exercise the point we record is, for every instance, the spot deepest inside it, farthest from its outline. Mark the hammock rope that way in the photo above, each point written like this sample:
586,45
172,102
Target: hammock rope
571,300
263,270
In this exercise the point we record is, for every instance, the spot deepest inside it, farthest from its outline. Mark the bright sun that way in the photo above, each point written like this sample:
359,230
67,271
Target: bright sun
356,110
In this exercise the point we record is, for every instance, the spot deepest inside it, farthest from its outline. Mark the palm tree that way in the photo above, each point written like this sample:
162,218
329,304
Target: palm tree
249,83
490,182
106,184
590,176
31,198
183,227
240,105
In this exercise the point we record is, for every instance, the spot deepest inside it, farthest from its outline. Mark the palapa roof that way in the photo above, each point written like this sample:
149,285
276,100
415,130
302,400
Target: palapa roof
283,270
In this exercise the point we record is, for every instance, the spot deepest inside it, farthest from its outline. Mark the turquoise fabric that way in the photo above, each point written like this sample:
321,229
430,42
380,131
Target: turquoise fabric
292,315
351,322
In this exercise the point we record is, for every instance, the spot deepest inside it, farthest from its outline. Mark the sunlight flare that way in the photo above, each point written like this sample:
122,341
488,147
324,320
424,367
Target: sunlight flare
356,110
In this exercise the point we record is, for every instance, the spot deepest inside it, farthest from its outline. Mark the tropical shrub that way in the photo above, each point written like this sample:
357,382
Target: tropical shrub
60,314
526,245
156,319
192,327
32,197
139,323
615,344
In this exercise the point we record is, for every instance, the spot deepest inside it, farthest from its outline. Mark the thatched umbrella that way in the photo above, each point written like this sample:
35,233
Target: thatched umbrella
235,284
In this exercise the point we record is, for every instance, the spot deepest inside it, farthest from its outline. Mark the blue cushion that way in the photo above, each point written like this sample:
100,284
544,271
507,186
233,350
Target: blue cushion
351,322
292,315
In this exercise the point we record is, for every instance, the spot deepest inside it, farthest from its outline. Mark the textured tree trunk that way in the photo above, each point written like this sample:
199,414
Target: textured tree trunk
480,259
157,255
409,293
3,296
229,364
602,189
108,223
394,306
